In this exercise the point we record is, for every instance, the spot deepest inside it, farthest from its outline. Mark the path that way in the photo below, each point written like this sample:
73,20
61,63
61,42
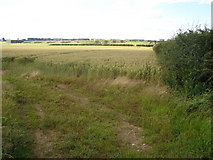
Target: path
43,141
126,131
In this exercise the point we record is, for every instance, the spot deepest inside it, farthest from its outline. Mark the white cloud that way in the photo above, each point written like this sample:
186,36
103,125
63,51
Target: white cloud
81,18
205,1
176,1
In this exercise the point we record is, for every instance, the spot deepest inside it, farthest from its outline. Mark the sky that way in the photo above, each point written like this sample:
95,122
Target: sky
101,19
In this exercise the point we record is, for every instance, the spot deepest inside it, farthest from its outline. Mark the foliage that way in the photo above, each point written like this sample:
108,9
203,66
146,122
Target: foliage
187,61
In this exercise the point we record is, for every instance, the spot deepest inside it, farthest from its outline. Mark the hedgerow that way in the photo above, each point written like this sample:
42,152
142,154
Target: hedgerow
187,61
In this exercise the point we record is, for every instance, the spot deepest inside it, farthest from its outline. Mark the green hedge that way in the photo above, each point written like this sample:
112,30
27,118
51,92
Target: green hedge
145,45
187,61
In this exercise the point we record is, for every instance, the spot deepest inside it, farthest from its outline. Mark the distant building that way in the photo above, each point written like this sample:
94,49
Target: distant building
15,41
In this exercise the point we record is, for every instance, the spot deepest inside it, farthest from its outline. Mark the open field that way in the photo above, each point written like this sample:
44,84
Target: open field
82,53
133,62
91,101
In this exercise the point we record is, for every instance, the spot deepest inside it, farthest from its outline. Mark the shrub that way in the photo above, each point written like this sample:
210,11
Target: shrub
187,61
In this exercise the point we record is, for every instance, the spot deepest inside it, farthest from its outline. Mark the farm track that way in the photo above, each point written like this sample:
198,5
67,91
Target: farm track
43,141
69,123
83,100
127,133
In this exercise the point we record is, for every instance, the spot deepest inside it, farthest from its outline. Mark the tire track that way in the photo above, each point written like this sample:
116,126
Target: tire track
43,141
127,132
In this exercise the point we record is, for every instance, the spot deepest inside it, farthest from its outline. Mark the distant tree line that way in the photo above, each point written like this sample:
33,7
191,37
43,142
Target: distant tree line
100,44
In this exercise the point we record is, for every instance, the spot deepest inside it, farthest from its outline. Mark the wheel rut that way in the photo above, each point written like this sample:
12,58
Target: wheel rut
83,100
43,140
127,133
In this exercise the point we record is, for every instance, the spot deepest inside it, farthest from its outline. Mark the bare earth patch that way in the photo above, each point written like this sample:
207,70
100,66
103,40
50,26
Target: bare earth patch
130,134
44,143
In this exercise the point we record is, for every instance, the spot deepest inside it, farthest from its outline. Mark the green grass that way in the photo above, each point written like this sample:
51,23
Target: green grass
84,119
93,134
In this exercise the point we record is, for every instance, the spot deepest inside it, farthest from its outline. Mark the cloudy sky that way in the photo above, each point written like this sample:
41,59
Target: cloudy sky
109,19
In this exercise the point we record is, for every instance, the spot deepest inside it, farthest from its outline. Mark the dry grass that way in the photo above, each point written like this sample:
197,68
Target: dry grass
120,81
30,75
155,90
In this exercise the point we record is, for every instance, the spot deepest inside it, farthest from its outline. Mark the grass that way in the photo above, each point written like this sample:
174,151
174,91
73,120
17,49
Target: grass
68,102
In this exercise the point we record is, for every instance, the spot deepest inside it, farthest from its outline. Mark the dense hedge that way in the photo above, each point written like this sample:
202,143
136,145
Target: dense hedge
145,45
187,61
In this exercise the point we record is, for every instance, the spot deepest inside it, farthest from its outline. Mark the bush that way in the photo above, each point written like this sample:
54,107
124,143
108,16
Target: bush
187,61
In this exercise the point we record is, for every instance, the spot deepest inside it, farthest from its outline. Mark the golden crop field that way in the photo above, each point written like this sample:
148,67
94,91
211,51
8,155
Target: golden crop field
128,60
129,55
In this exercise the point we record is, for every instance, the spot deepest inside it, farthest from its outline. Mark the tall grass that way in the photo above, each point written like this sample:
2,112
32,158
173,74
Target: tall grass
146,72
